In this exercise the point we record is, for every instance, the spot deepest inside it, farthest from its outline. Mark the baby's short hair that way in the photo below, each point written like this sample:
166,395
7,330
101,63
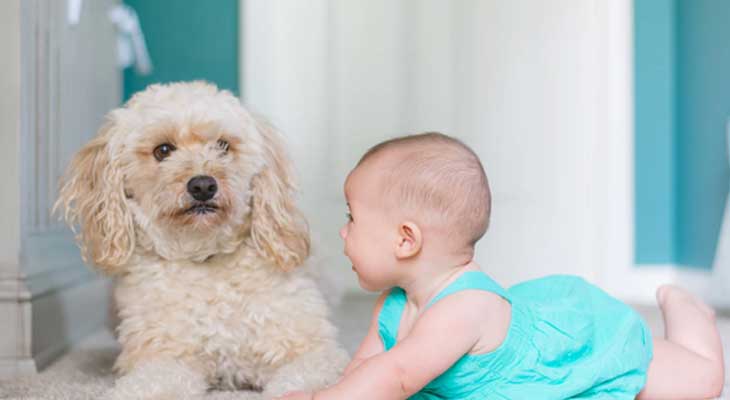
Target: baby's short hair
439,179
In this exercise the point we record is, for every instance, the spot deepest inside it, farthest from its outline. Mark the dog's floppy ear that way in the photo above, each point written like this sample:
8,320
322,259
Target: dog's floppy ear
278,229
92,194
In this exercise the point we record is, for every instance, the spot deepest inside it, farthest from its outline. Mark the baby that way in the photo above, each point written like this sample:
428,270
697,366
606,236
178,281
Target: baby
442,329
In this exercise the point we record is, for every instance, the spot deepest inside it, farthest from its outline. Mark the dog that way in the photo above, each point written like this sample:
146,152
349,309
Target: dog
187,200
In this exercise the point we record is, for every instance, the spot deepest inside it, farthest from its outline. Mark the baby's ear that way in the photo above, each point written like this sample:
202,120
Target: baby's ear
92,195
410,240
278,229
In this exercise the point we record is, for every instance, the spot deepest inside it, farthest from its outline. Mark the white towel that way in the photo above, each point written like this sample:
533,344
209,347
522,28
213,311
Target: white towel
131,47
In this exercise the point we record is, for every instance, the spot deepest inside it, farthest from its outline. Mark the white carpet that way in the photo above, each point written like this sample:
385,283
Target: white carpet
84,373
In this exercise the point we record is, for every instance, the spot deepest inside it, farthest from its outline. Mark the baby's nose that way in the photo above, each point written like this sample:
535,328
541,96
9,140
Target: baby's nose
343,232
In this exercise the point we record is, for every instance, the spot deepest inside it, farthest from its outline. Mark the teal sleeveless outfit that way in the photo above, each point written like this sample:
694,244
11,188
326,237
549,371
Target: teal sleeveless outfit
567,339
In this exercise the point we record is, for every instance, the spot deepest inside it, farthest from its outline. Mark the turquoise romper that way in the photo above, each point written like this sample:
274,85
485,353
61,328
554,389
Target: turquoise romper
567,339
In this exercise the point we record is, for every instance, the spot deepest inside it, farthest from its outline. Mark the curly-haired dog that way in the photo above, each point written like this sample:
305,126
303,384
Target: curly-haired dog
186,198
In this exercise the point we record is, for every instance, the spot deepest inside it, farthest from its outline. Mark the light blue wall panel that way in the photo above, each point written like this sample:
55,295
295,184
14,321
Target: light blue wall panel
682,100
654,127
703,107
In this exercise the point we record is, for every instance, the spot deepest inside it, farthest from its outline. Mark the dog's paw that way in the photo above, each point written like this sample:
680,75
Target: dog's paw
159,380
234,395
129,393
311,371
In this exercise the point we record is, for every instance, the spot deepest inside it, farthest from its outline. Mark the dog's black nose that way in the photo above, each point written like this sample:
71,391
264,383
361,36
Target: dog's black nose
202,187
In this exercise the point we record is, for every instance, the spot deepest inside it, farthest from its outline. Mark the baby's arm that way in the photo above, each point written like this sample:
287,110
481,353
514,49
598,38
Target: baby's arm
371,345
431,348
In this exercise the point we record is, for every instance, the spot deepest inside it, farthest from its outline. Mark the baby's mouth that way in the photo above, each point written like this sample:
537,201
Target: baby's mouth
202,208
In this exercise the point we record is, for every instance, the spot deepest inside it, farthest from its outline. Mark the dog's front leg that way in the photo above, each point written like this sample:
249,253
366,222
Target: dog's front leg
310,371
159,379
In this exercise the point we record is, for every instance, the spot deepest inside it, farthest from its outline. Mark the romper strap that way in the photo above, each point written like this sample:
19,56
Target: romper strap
393,305
390,315
470,280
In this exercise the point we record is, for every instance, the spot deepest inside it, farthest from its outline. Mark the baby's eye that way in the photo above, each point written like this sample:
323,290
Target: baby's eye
349,216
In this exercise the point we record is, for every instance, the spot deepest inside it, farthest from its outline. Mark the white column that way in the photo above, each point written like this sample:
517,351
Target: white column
284,76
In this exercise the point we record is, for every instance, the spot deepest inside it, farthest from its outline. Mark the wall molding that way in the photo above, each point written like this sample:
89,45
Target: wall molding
58,81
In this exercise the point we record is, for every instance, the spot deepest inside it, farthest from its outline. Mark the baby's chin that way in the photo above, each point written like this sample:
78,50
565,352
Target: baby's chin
368,286
363,285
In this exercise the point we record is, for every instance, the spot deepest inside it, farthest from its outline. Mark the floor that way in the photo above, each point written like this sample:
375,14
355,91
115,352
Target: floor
84,373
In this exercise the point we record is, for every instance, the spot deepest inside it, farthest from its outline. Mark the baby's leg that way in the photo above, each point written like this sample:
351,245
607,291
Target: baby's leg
688,364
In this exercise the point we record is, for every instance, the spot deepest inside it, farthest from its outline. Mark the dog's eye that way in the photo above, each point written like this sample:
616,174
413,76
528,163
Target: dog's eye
223,145
163,151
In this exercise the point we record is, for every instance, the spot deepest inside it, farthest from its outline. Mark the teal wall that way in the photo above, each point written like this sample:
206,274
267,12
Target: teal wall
703,107
682,100
188,39
655,131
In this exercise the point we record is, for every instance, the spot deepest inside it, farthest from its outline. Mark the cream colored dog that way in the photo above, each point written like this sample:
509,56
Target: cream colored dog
186,198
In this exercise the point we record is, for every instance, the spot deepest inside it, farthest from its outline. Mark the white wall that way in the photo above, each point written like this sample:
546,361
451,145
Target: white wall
541,90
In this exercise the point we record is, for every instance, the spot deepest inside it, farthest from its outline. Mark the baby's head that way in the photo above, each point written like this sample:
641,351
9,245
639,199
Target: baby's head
419,196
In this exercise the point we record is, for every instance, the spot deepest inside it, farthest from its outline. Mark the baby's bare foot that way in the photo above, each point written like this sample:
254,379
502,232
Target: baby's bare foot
667,294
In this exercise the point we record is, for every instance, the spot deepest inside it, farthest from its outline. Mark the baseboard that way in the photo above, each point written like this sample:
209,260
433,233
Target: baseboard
63,316
46,314
15,330
638,284
12,368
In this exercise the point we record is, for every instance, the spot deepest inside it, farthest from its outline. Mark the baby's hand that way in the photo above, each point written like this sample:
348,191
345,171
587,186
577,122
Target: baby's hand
296,396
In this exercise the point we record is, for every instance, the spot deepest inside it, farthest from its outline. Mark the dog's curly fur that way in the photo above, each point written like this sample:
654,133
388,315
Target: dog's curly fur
206,299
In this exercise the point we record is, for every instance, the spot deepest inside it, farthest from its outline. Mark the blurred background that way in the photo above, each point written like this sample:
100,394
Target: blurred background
602,125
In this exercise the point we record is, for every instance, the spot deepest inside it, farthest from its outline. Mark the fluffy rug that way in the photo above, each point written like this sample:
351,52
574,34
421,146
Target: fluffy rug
85,372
